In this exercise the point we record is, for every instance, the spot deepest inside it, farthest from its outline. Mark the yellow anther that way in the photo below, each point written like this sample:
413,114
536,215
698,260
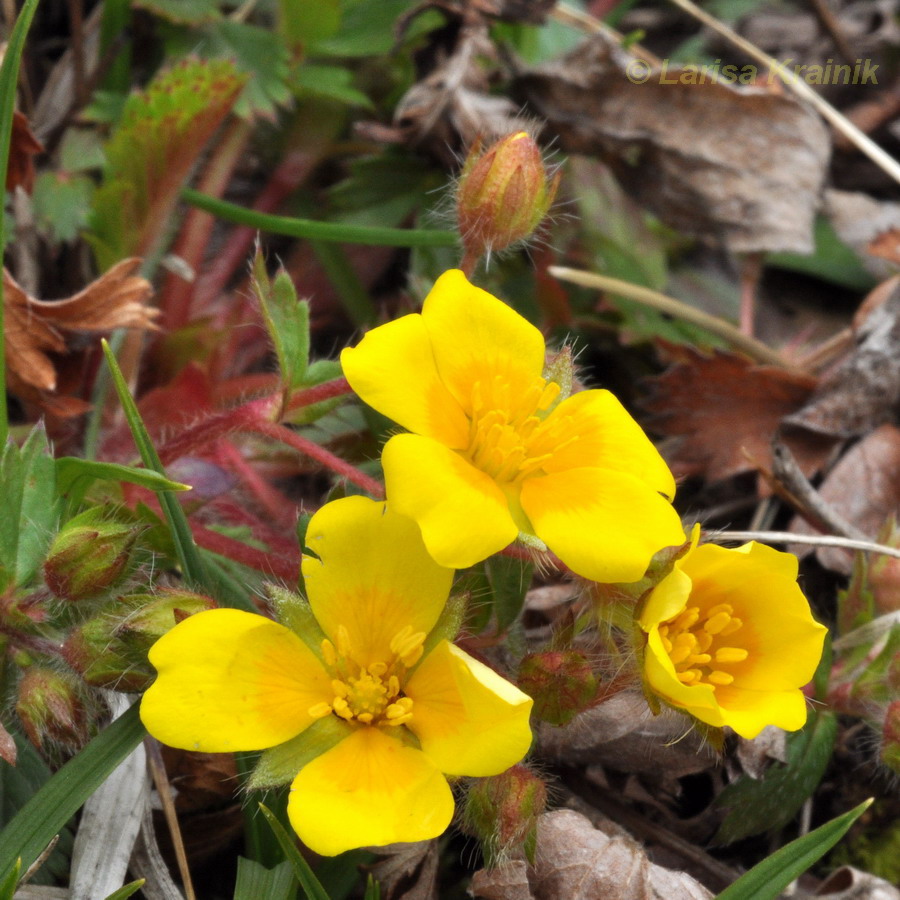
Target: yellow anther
414,655
403,706
704,640
376,670
329,654
319,710
666,643
731,655
365,718
679,653
340,705
687,619
715,624
340,688
689,676
733,626
393,686
699,659
718,608
407,645
722,678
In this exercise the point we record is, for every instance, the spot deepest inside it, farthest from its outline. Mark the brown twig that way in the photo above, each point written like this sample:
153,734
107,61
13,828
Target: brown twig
830,23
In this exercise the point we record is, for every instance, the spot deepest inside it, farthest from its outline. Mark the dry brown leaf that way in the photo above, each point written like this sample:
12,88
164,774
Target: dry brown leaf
858,220
623,734
848,883
576,861
23,145
864,391
34,328
886,246
407,871
722,412
738,165
864,487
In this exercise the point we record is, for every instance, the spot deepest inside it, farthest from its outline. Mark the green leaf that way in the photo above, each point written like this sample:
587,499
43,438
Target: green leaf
162,132
62,203
768,879
30,508
182,12
47,812
287,321
373,889
509,579
368,29
255,881
185,548
302,871
75,475
9,80
9,882
306,23
767,805
321,231
333,82
126,890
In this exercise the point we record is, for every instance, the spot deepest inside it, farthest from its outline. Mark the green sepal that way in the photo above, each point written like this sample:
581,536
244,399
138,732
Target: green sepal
294,612
449,623
279,765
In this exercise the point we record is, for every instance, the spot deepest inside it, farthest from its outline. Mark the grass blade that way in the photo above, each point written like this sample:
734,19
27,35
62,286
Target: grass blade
320,231
188,553
304,874
769,878
126,890
9,77
34,826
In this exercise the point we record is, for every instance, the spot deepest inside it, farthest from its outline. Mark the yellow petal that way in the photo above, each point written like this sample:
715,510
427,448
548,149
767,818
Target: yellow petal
231,680
369,790
698,699
666,600
604,525
469,720
784,640
393,370
463,514
608,438
748,712
373,575
476,337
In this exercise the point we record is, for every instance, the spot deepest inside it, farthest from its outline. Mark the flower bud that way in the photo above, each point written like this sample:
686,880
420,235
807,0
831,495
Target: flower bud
110,649
503,194
50,705
90,555
561,682
502,812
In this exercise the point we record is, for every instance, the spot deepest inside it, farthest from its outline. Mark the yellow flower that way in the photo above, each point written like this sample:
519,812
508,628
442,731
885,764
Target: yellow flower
731,639
391,705
494,452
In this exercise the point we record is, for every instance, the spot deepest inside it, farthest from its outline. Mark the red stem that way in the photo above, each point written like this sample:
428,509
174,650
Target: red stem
314,451
325,391
280,565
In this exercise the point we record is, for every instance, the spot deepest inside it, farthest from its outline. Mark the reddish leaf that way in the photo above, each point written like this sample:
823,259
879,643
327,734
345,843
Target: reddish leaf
22,146
722,411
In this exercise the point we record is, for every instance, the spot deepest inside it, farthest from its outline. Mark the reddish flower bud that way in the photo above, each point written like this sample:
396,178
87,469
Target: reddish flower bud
51,706
502,812
110,649
89,556
561,682
503,194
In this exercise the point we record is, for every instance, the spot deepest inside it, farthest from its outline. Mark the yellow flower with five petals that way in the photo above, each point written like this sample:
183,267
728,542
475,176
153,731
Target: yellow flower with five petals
495,453
399,707
731,639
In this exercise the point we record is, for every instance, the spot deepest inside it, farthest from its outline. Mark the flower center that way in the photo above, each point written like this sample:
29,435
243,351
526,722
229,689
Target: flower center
510,434
697,647
370,695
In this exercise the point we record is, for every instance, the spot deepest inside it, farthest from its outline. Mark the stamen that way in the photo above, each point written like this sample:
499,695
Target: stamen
344,646
731,654
329,654
717,677
687,619
733,626
717,623
319,710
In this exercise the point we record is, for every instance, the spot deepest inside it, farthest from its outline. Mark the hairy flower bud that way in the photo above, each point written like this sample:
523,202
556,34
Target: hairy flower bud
90,555
503,194
502,812
50,705
561,682
110,649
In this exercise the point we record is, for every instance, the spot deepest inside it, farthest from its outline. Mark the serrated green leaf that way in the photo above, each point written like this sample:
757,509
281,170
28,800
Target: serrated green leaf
182,12
30,507
287,321
768,805
333,82
306,23
368,29
81,150
45,814
255,881
162,132
768,879
61,204
303,873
